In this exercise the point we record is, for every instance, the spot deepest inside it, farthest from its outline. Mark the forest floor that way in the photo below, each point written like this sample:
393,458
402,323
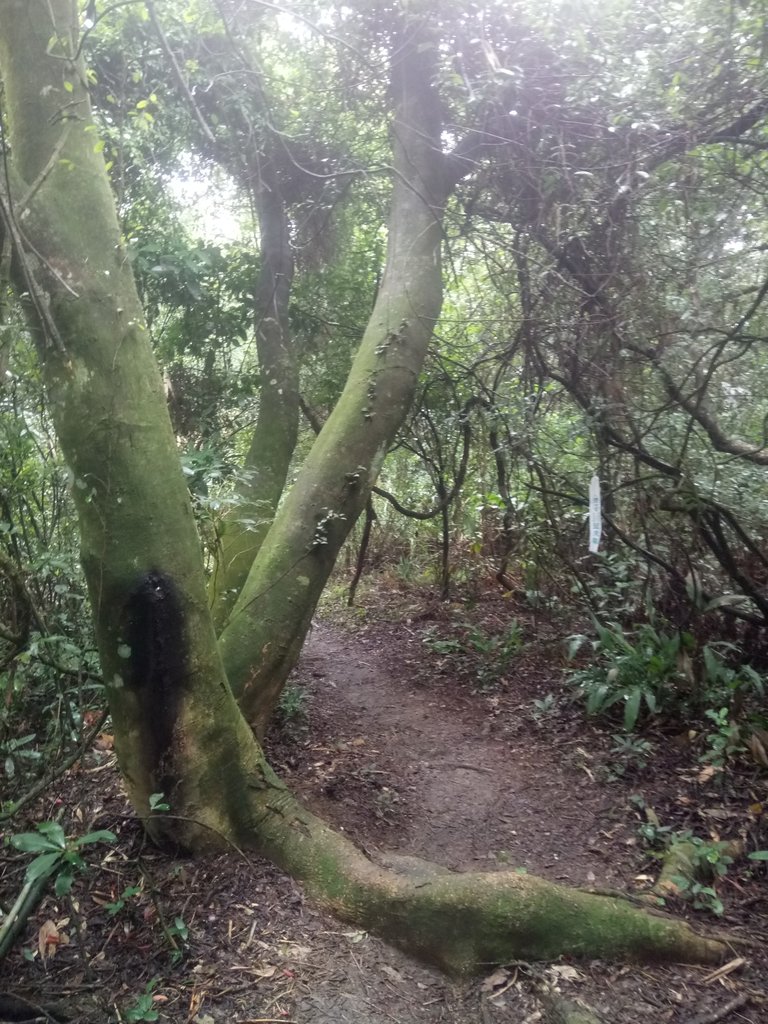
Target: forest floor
427,729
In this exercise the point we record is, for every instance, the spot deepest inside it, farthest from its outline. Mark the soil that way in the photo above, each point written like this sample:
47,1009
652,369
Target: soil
415,734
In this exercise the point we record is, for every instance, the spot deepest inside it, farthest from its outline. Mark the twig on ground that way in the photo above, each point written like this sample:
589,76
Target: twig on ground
712,1016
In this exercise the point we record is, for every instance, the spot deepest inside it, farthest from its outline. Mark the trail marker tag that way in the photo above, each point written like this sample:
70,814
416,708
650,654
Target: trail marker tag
595,514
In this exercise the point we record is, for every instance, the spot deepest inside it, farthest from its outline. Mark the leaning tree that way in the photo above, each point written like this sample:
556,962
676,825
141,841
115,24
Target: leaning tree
183,701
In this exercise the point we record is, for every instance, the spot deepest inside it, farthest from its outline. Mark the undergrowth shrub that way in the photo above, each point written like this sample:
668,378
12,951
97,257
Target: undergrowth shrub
651,671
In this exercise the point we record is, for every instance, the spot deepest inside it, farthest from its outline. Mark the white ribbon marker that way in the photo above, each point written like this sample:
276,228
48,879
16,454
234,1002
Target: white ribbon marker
595,514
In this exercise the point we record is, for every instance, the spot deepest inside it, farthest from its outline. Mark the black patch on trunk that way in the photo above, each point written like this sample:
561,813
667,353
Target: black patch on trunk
157,667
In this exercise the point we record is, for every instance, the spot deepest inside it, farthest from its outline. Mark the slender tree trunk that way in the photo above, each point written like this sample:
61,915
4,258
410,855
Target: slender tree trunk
370,519
274,438
269,621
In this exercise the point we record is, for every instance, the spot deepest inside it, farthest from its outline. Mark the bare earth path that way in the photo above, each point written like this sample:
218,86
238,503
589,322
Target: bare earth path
405,759
470,793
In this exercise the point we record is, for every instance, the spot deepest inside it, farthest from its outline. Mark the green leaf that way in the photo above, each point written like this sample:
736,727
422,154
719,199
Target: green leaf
33,842
596,698
758,855
42,866
711,663
54,832
632,708
104,836
64,882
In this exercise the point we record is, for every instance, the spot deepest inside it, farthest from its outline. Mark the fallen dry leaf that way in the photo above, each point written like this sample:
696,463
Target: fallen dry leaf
104,741
267,971
499,977
49,938
565,971
392,973
758,751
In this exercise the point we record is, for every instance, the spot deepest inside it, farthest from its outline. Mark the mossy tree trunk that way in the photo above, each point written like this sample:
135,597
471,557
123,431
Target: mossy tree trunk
139,545
178,729
265,468
268,623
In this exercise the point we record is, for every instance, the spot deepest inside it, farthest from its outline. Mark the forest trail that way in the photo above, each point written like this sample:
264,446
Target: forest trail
400,753
407,761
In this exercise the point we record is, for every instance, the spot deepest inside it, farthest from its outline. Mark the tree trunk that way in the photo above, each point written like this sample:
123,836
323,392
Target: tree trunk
274,438
139,545
177,728
270,619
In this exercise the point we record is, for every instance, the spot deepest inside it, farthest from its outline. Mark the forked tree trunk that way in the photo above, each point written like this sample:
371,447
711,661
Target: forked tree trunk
270,619
177,727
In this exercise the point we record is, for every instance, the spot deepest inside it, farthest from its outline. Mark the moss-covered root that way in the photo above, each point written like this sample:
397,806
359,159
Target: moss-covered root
462,922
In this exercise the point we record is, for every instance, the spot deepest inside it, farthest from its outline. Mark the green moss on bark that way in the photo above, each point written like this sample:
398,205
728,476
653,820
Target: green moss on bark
269,621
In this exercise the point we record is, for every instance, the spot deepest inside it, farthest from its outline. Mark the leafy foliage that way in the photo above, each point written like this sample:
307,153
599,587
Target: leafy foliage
640,671
56,854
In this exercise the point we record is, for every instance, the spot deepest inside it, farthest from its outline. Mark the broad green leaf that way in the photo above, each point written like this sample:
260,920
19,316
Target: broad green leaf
33,842
54,832
64,882
42,865
104,836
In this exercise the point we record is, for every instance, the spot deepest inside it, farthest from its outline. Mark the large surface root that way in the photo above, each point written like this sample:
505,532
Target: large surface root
460,922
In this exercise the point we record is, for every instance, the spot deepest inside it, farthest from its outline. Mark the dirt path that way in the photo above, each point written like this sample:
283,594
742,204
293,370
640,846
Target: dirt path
402,756
460,789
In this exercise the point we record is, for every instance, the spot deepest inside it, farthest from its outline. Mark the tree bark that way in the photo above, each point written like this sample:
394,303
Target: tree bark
268,624
139,544
459,922
265,468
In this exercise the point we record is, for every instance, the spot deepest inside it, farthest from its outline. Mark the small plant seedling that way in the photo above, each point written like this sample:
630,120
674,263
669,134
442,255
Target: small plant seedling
544,706
724,740
441,645
127,894
293,706
630,753
144,1007
177,934
702,897
488,655
56,854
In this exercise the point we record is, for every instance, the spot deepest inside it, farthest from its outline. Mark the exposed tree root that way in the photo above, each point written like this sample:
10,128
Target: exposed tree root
459,922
